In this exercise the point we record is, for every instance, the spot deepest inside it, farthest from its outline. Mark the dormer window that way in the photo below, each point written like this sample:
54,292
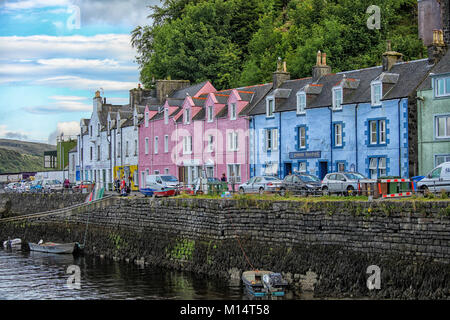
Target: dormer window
233,111
146,119
301,102
166,116
210,114
376,95
270,107
337,98
442,87
187,116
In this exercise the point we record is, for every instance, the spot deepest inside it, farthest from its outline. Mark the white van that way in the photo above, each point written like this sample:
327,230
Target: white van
159,183
437,180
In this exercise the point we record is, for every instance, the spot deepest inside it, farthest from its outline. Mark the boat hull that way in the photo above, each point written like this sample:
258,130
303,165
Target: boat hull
58,248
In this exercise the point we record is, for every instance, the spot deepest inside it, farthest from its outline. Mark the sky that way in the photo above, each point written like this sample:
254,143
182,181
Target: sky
54,55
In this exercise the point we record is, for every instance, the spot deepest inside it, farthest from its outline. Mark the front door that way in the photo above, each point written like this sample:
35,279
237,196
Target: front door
323,169
287,169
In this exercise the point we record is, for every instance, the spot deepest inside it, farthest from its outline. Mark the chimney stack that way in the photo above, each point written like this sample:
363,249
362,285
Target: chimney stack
438,47
281,75
390,58
321,68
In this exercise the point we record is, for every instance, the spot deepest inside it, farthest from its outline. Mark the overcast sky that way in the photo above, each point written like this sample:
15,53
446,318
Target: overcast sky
54,55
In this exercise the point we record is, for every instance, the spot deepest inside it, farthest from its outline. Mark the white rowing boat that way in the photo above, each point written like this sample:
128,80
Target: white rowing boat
51,247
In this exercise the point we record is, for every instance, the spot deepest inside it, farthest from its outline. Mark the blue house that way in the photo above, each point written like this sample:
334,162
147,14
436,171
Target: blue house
360,120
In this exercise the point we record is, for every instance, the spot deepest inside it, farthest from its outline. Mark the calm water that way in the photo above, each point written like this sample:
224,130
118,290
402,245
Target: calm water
40,276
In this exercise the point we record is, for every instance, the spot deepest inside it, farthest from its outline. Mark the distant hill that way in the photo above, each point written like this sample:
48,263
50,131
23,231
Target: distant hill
18,156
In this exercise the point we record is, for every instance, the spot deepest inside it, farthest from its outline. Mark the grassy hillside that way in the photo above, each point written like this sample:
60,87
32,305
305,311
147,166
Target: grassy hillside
19,156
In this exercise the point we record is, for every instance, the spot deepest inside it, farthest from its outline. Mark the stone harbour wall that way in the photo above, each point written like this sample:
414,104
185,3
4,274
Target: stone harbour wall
325,247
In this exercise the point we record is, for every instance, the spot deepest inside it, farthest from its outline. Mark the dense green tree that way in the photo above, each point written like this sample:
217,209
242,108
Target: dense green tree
237,42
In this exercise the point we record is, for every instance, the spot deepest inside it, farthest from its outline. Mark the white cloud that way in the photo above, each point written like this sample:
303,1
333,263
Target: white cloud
7,134
75,82
71,128
62,104
33,4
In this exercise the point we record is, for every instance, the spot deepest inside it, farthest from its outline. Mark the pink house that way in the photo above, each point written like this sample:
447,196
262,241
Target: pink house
206,133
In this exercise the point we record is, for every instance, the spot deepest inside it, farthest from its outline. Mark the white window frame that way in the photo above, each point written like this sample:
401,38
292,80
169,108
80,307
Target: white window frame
187,145
233,141
166,171
210,143
135,147
302,167
166,115
302,137
155,145
146,119
210,113
98,153
270,107
338,136
437,85
376,100
446,126
273,139
338,164
236,169
119,148
166,143
446,158
382,131
233,111
187,116
337,104
126,148
146,145
301,102
373,133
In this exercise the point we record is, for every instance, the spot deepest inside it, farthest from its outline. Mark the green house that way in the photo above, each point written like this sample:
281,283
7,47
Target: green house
433,117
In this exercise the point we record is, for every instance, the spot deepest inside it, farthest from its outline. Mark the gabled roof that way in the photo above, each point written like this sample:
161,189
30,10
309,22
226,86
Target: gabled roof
443,66
191,90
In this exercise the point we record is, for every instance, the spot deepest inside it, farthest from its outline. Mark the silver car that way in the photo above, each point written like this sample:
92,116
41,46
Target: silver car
342,182
261,184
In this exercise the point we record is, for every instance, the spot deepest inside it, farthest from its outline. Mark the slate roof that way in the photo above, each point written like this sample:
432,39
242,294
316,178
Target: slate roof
191,90
410,76
443,66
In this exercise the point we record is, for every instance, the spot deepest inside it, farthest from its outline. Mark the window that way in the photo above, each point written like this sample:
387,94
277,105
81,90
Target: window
376,93
98,129
210,114
209,171
187,145
187,116
98,153
337,134
443,127
158,179
233,111
340,166
166,143
302,137
126,149
441,159
90,131
91,154
210,146
302,167
337,98
166,116
301,103
135,147
146,119
271,169
271,139
442,87
270,107
234,173
377,167
166,171
118,150
146,146
156,145
233,141
377,134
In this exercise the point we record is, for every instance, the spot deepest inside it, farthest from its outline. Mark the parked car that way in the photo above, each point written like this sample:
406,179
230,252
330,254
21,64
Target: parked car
300,183
79,186
437,180
342,182
160,185
261,184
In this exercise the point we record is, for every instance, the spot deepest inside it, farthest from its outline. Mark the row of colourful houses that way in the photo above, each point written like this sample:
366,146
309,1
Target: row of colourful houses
388,120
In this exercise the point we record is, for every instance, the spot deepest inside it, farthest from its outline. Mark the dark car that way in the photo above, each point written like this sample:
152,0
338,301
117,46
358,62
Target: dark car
300,183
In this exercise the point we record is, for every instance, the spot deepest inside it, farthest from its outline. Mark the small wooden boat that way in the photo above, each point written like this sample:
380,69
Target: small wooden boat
262,283
12,243
51,247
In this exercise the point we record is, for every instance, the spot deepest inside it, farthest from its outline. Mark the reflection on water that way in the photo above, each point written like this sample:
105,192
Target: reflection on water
36,275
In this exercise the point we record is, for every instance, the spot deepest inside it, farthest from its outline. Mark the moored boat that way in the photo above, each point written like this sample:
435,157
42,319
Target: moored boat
11,243
262,283
51,247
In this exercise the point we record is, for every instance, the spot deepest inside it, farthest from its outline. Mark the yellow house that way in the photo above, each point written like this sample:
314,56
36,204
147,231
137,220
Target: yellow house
131,175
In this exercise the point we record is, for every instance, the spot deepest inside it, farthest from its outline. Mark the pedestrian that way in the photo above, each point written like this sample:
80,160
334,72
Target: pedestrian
123,187
224,178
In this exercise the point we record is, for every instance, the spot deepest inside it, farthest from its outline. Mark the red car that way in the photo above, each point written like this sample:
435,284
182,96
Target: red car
84,185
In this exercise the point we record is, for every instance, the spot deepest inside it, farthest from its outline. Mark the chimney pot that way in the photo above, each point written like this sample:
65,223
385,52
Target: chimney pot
324,59
319,59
